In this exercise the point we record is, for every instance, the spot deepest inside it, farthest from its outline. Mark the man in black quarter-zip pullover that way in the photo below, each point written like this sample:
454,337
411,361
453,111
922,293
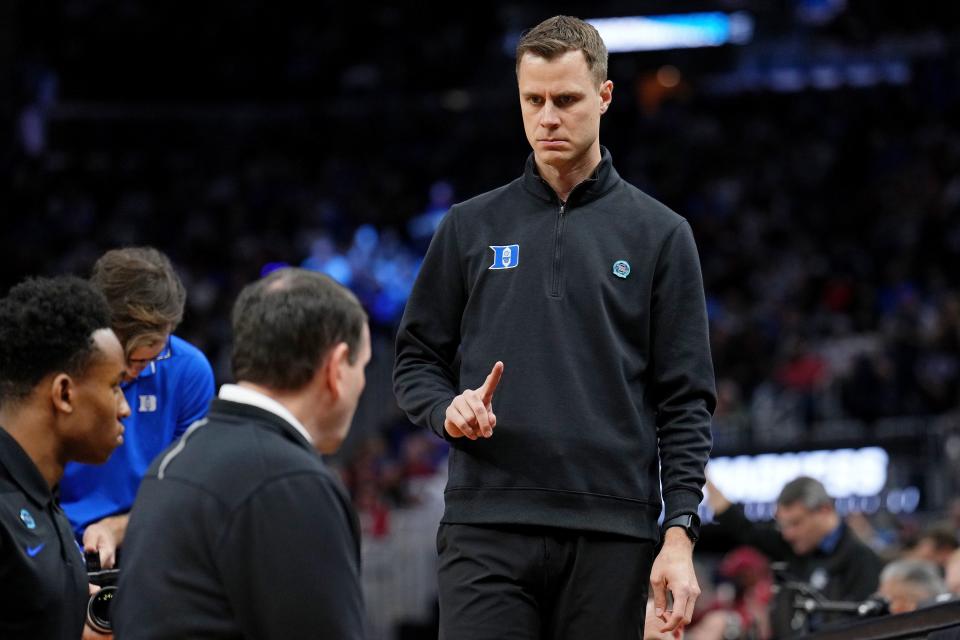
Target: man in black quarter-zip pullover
586,296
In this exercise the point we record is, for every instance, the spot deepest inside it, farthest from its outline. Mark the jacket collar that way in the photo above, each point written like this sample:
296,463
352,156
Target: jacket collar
260,416
22,470
829,543
603,178
246,395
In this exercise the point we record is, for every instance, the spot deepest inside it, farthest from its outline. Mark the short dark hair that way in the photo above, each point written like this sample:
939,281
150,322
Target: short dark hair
807,491
47,326
942,536
555,36
285,323
145,295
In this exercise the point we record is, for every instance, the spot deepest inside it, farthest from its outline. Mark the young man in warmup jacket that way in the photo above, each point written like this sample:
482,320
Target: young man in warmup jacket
586,296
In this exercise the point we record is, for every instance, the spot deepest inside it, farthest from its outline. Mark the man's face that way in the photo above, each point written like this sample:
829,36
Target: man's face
925,550
902,596
953,573
561,106
141,357
353,381
95,429
928,551
801,527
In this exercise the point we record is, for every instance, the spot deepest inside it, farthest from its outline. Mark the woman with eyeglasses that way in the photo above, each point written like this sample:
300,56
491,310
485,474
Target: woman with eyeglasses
168,385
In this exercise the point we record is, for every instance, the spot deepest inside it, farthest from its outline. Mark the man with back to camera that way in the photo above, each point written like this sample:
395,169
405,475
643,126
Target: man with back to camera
169,385
586,295
60,371
240,530
818,548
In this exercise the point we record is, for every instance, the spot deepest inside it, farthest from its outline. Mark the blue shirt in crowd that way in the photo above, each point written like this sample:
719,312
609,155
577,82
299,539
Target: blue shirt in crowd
167,397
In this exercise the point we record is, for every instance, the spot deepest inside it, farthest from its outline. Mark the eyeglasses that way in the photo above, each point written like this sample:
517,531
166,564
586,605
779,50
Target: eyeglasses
163,355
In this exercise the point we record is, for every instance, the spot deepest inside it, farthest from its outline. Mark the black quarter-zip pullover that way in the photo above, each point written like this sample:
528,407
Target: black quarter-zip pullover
596,308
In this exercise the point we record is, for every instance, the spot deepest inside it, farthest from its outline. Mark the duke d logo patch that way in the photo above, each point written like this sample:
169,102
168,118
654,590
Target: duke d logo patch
505,256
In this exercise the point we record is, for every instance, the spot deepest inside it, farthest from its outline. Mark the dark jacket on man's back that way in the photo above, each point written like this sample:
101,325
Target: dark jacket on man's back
240,531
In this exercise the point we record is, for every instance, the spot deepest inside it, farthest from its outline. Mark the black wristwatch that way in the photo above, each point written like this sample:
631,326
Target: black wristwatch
689,522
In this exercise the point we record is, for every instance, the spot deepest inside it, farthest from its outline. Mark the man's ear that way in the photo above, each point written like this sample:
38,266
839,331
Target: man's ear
62,390
335,368
606,95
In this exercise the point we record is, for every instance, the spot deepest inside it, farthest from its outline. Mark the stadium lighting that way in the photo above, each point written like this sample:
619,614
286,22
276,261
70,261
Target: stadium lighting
674,31
844,473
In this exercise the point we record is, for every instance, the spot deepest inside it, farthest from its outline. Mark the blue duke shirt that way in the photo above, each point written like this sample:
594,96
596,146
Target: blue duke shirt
169,395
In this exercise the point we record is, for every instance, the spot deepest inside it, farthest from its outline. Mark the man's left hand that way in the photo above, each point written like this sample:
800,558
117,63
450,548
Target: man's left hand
673,571
104,537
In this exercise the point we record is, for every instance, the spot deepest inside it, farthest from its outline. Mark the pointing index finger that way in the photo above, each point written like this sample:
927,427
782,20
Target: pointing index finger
490,384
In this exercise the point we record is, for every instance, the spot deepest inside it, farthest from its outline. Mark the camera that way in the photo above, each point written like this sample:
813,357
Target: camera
98,607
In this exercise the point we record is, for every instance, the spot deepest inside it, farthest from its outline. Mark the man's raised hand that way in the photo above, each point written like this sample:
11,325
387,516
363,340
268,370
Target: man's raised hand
471,414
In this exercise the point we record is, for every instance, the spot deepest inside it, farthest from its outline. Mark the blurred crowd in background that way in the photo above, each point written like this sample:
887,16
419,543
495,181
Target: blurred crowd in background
827,215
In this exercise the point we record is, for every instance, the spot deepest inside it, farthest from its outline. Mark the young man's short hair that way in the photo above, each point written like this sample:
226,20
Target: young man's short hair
47,326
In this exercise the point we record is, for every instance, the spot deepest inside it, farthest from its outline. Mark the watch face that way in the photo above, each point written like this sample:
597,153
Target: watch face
689,523
694,529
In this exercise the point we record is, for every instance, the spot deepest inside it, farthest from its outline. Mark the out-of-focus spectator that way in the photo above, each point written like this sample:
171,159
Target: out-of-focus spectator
741,609
881,538
817,547
953,573
953,513
385,475
935,545
910,584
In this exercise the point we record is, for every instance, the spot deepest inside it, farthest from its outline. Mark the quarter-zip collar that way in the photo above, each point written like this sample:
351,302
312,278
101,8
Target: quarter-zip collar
603,178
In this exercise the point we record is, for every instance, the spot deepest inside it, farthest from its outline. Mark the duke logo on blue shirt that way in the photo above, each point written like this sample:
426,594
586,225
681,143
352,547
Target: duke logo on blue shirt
148,404
505,256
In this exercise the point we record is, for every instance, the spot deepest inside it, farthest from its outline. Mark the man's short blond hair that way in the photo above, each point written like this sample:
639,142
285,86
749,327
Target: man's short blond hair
555,36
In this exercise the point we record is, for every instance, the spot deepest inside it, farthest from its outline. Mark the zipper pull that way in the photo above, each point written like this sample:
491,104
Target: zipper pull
563,206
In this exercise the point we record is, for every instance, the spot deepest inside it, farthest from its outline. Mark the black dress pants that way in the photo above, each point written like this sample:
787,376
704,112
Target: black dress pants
503,582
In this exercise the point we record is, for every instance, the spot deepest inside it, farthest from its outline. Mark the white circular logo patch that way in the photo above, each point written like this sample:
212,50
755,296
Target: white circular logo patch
621,268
